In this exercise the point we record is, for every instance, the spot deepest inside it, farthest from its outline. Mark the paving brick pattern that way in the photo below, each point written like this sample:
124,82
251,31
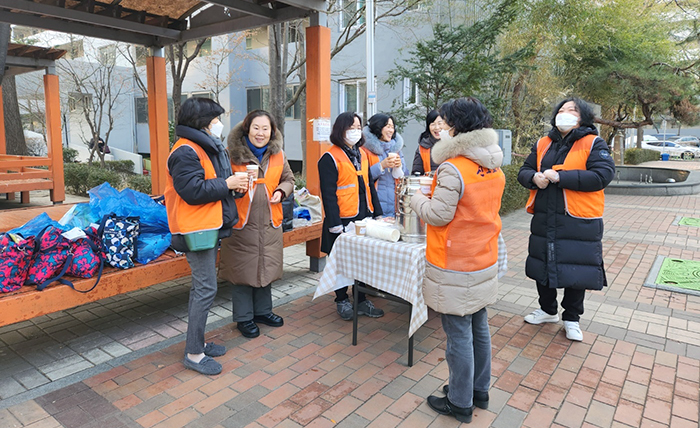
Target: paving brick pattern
638,366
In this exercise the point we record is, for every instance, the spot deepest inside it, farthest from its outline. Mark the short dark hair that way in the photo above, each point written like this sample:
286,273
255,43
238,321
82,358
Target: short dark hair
342,123
465,115
379,121
248,120
585,110
429,119
198,113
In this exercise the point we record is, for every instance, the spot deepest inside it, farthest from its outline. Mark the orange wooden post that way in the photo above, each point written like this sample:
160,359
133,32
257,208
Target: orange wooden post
318,106
3,147
53,136
158,120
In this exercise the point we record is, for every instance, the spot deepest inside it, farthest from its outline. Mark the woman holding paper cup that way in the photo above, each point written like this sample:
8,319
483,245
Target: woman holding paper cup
348,196
463,257
199,198
422,162
251,259
383,146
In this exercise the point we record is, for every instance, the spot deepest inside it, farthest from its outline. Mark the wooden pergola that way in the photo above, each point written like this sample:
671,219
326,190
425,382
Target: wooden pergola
158,23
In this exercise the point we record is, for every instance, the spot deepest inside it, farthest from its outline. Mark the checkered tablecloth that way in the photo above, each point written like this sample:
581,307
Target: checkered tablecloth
393,267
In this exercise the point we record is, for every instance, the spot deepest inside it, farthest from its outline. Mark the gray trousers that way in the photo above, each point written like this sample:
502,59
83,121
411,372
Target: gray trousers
202,294
250,301
468,355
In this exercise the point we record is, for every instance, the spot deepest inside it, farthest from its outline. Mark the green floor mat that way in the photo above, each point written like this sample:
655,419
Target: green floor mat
680,273
689,221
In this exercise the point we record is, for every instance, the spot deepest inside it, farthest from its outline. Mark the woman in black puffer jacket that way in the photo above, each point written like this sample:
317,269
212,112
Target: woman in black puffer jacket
566,173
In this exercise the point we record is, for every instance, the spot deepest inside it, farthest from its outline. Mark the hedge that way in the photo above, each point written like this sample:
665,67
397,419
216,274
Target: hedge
636,156
81,177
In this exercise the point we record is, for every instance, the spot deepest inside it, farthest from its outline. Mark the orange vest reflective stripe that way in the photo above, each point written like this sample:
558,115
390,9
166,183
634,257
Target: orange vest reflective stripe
577,204
469,242
186,218
425,156
348,192
271,179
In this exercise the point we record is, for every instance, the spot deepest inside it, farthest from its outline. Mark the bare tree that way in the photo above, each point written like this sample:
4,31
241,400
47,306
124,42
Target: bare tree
14,134
218,75
94,89
180,56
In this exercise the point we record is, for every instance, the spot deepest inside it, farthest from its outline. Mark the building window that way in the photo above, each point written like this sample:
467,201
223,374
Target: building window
77,101
259,99
205,50
353,97
74,49
410,92
108,54
142,110
349,10
202,95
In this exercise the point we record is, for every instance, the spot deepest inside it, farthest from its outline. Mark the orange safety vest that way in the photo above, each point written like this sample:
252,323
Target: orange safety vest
577,204
425,156
185,218
476,217
347,192
271,179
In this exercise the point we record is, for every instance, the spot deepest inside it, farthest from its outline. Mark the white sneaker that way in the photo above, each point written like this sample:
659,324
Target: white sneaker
573,331
538,316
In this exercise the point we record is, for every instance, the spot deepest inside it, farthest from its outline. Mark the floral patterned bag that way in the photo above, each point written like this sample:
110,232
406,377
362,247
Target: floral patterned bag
51,259
16,255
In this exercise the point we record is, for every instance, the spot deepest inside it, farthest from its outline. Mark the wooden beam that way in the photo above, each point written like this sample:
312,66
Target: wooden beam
54,142
3,146
318,105
158,122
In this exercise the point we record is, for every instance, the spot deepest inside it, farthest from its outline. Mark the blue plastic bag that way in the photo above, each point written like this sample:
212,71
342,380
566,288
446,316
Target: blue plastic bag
79,216
36,225
155,236
302,212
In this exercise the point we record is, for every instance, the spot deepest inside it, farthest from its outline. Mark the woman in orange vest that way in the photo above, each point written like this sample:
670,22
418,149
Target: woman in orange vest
422,162
199,198
464,251
347,196
251,259
566,173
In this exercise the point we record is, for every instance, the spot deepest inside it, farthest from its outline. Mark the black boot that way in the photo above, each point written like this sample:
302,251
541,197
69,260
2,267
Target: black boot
444,407
481,398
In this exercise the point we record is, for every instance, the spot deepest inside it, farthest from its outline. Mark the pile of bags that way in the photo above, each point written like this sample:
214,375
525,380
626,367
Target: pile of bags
118,228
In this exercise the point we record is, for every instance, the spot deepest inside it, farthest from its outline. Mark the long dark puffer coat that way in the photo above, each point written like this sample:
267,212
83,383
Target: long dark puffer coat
565,251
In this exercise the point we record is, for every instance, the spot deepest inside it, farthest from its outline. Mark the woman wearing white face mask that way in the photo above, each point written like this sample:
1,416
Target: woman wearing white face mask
347,196
566,173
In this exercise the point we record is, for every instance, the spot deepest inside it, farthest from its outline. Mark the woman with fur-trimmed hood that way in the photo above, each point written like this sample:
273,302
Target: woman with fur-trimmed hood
251,259
381,139
462,252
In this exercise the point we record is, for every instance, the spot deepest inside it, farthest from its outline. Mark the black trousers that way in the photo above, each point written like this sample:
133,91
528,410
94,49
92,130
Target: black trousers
572,302
342,294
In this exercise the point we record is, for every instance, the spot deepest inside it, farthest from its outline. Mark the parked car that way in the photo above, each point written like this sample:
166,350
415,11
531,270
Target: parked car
688,140
673,149
666,137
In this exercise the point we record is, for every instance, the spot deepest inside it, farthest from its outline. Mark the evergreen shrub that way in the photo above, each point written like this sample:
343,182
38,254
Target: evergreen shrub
636,156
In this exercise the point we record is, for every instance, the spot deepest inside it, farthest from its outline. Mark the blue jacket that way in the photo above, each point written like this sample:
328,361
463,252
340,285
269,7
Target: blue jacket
385,181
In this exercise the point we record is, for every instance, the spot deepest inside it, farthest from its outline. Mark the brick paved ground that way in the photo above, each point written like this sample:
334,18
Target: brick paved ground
639,364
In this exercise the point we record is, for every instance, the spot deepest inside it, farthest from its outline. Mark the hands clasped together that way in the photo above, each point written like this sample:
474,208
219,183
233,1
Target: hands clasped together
542,179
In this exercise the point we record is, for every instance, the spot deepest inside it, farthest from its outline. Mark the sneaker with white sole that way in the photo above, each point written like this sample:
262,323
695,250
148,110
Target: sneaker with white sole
573,331
538,316
344,308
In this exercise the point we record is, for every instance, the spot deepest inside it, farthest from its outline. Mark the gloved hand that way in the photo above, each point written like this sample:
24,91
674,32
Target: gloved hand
540,180
552,175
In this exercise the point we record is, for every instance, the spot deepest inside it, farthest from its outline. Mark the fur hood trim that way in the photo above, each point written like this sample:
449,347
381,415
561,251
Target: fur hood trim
238,148
480,146
376,146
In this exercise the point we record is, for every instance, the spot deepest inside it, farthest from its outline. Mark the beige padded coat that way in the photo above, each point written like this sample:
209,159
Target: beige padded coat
253,255
447,291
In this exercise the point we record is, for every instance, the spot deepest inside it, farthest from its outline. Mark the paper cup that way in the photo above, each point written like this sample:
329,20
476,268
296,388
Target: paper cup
241,174
253,170
425,184
360,228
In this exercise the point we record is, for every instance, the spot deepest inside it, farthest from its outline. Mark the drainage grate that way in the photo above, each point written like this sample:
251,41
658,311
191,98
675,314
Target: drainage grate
679,273
689,221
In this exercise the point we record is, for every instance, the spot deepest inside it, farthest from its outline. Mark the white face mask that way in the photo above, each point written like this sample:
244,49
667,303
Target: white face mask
444,133
352,136
565,121
216,129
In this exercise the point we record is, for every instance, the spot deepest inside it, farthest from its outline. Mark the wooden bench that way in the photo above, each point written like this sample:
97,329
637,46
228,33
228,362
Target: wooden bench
27,302
26,173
